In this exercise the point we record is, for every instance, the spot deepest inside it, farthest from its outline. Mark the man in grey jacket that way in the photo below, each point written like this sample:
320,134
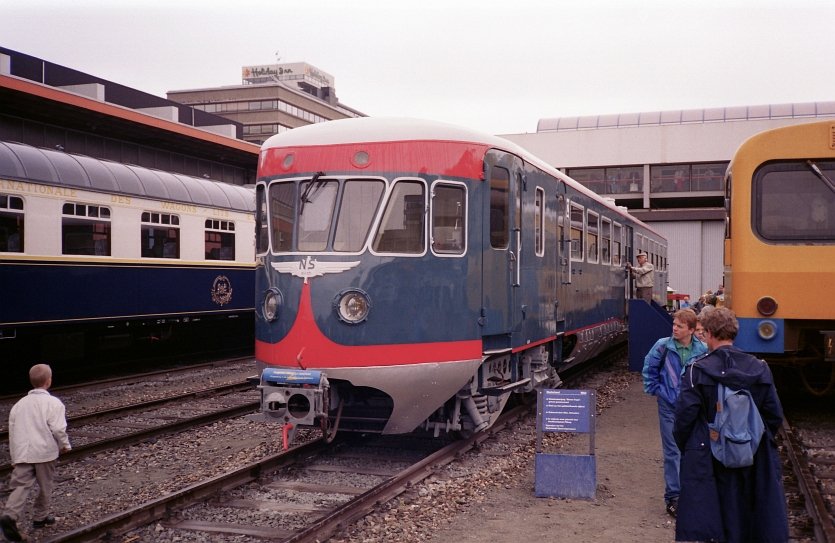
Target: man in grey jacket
644,274
37,435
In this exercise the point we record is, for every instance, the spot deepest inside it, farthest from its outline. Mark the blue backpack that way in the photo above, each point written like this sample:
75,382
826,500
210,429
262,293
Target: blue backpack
737,429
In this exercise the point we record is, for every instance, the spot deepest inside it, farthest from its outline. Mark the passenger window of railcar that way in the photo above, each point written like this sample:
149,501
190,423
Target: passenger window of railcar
282,207
403,227
449,219
576,233
592,235
85,230
160,235
792,204
316,207
360,200
606,241
539,222
262,238
11,224
617,241
499,207
220,240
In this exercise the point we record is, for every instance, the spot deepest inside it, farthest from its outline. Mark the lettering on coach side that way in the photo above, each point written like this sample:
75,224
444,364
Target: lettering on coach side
20,186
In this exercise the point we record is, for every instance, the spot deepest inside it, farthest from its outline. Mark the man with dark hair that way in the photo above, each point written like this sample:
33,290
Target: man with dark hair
37,434
718,503
664,366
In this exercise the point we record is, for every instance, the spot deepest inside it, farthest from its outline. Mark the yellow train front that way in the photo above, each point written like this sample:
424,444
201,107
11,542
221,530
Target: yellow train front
780,249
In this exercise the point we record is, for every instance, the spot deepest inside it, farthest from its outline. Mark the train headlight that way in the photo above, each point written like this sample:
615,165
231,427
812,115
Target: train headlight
767,329
352,306
767,306
272,301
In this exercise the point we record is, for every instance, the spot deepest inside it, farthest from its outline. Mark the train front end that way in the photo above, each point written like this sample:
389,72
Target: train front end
366,318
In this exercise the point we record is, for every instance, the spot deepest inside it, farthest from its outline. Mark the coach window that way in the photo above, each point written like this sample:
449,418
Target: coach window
85,230
11,224
262,239
606,241
220,240
357,209
403,227
592,234
282,215
499,207
617,243
576,232
316,206
792,204
449,218
539,221
160,236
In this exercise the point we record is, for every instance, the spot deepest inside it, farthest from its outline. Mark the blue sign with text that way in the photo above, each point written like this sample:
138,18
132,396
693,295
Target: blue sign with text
565,410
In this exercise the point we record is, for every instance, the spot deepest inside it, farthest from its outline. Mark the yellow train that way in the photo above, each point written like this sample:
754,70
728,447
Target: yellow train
780,249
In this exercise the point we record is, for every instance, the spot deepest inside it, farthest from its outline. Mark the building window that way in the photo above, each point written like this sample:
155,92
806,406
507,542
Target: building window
160,236
11,224
220,240
670,178
85,230
708,177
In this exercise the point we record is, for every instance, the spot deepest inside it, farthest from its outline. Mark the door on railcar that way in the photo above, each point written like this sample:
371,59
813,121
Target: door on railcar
501,249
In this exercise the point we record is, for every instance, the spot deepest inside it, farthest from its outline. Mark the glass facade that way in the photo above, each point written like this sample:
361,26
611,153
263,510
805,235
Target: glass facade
627,181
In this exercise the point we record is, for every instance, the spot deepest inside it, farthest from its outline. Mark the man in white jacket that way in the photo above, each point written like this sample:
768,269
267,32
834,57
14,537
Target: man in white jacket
37,435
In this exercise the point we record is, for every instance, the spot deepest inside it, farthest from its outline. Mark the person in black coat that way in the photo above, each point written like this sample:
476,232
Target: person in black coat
718,503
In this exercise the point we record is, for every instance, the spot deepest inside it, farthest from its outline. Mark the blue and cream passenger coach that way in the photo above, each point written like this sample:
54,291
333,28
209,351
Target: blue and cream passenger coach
412,274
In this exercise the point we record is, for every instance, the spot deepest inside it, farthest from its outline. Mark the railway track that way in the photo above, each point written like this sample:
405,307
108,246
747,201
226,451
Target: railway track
809,455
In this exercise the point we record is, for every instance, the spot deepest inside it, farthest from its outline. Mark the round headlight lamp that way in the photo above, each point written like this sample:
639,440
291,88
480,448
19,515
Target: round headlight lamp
767,329
767,306
352,306
272,301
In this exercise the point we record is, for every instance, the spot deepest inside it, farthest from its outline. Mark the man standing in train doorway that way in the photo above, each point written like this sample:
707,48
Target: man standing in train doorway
644,277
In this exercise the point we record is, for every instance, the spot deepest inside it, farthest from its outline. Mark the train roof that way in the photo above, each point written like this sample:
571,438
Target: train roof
33,164
383,129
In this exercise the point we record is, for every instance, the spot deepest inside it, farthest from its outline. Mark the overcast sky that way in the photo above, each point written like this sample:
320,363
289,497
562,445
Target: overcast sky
494,66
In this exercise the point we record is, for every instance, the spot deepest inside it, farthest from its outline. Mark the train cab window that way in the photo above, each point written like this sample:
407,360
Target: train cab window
11,224
220,240
282,207
617,244
793,203
85,230
262,237
592,236
449,219
499,208
316,207
539,221
403,227
576,232
606,241
160,236
357,209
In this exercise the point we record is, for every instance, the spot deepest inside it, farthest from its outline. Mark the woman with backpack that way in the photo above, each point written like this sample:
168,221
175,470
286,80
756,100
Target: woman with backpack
718,503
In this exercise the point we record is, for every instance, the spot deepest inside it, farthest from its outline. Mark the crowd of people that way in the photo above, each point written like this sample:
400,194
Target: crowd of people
712,502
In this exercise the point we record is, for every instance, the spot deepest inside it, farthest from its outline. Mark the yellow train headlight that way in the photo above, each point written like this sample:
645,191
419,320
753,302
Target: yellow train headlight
767,329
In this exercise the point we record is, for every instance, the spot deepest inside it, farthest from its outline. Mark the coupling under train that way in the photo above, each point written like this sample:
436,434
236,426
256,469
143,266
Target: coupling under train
101,261
413,275
780,249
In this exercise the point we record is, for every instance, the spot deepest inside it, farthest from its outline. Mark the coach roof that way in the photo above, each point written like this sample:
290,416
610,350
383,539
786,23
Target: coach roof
36,165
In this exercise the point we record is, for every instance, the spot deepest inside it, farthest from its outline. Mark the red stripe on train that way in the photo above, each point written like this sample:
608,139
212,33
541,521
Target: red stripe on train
307,347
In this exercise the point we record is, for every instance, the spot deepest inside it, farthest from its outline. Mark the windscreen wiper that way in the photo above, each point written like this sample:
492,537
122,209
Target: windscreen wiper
823,177
310,191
